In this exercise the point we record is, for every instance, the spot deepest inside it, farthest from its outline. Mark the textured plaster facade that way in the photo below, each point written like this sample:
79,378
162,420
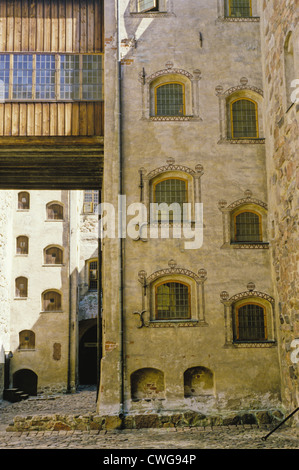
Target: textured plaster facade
215,60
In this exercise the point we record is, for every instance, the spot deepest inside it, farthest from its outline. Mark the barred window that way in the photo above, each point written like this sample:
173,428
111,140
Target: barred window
170,99
248,227
23,200
26,339
148,5
91,201
4,76
169,191
21,287
251,323
54,211
22,245
93,275
238,8
51,301
172,301
244,119
53,255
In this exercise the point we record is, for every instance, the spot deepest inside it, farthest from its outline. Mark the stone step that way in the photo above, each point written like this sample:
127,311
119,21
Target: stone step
14,395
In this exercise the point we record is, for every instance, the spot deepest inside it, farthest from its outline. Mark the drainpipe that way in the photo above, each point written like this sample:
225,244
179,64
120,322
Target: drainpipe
99,319
121,244
70,300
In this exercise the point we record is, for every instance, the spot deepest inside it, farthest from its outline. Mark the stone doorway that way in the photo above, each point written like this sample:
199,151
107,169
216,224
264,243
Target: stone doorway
88,357
25,380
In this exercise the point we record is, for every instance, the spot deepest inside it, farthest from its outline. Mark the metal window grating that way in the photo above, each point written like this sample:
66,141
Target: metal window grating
170,100
171,191
172,301
244,119
247,227
251,323
239,8
93,275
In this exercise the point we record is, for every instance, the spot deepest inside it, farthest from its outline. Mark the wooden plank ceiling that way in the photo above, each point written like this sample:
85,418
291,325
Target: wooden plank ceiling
55,165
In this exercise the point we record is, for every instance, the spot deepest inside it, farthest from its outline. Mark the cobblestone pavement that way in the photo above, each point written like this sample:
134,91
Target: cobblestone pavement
84,401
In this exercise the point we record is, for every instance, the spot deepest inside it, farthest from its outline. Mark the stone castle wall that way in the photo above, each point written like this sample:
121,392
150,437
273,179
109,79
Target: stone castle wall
279,19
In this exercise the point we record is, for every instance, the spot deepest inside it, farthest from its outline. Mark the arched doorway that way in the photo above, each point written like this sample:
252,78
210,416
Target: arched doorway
88,357
25,380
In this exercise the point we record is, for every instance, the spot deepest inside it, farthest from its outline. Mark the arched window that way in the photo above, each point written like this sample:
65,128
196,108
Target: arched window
170,99
170,191
22,245
26,339
93,274
289,68
53,255
51,301
247,227
23,201
250,323
172,301
21,287
54,211
244,119
238,8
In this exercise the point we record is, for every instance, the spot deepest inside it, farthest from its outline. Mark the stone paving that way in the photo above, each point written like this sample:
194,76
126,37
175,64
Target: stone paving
84,401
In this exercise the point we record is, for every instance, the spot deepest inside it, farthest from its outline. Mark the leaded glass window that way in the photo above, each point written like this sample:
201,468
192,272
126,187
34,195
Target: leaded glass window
244,119
22,76
148,5
169,191
170,100
251,323
247,227
91,201
4,76
69,77
172,301
45,77
92,77
238,8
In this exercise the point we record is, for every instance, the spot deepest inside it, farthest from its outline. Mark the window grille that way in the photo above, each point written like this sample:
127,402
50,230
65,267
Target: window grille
244,119
251,323
55,212
23,201
22,245
93,275
239,8
170,100
148,5
21,287
169,191
53,256
247,227
51,301
91,201
172,301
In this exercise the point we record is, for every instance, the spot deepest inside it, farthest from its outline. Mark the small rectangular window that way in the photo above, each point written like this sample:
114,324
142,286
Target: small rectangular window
238,8
148,5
